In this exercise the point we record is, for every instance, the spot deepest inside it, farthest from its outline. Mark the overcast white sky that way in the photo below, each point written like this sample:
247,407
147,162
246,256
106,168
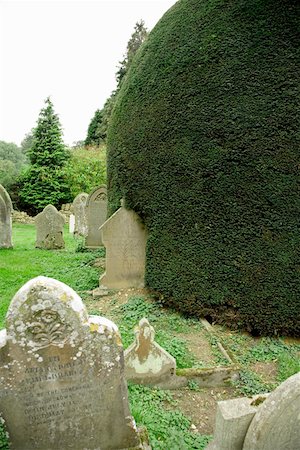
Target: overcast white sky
66,49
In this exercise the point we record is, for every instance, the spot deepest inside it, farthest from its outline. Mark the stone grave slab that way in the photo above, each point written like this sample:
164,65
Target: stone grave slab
62,374
49,229
146,362
124,237
96,213
5,219
79,209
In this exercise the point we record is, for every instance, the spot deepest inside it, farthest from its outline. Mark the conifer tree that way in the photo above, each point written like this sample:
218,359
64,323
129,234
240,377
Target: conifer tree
94,137
44,181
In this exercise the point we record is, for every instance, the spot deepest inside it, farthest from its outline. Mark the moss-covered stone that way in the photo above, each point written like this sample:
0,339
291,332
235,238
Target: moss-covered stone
204,145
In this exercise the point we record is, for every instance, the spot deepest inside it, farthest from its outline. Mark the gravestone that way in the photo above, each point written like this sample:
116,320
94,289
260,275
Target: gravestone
49,229
79,209
5,219
61,371
146,362
96,213
124,237
276,425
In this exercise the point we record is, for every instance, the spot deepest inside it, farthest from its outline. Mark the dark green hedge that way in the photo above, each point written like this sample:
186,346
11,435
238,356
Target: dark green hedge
204,145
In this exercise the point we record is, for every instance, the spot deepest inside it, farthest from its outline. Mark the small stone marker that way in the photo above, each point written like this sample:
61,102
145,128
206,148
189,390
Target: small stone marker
62,374
79,209
5,219
233,418
49,229
71,223
147,362
125,238
96,213
276,425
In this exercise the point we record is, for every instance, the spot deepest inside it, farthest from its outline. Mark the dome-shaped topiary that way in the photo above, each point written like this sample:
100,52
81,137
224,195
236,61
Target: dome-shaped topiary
204,145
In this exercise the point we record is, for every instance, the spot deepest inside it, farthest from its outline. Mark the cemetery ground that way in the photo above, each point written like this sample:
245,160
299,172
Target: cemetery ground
177,419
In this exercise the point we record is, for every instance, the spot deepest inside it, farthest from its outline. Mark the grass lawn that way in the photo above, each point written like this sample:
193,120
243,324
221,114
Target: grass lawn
24,261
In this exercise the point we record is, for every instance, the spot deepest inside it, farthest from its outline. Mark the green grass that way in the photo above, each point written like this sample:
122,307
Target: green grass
24,262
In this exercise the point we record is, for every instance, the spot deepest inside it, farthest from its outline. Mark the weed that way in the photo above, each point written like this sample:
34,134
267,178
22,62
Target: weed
288,365
250,384
167,429
194,386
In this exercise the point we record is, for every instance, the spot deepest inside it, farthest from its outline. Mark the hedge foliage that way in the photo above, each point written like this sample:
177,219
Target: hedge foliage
204,145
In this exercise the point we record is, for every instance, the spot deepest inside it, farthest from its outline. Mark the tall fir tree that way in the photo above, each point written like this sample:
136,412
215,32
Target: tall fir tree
98,126
44,181
94,137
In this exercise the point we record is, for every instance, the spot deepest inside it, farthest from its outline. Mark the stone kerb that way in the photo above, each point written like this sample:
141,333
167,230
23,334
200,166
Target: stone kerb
79,210
5,219
62,374
125,238
49,229
96,213
146,362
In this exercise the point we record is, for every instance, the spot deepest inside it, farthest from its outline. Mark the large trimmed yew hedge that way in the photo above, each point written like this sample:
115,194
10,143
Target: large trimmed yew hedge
204,145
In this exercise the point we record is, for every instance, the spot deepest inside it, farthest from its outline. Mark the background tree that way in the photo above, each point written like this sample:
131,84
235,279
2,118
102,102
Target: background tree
44,182
12,161
137,38
97,130
94,136
27,142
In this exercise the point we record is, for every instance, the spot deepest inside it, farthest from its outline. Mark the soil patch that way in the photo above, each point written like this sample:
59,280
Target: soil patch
200,406
266,370
198,344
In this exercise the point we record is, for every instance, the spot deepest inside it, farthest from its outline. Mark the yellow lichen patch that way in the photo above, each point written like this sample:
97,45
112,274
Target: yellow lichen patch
94,327
118,339
64,297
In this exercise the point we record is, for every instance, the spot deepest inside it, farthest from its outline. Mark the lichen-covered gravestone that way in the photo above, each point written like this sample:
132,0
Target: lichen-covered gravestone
79,209
5,219
62,383
49,229
146,362
124,237
96,213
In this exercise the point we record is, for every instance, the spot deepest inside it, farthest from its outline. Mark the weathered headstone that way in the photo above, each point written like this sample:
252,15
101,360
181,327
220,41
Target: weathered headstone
96,213
62,382
79,209
5,219
146,362
49,229
276,425
125,238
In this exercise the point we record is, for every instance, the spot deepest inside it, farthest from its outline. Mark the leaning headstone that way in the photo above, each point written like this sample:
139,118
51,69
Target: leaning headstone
49,229
5,219
276,425
79,209
125,238
96,213
62,374
146,362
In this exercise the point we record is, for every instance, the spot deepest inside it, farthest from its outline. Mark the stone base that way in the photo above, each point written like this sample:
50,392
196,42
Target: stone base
101,291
